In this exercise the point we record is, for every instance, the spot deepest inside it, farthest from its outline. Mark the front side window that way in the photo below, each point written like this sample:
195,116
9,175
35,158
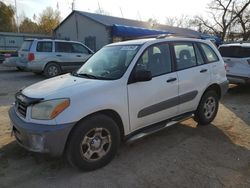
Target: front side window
185,55
78,48
44,47
64,47
155,59
109,63
209,53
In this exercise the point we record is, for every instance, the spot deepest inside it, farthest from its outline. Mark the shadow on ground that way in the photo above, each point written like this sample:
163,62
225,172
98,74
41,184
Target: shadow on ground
180,156
237,100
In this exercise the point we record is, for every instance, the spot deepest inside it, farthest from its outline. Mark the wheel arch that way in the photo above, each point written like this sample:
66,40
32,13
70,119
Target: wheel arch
51,62
108,112
215,87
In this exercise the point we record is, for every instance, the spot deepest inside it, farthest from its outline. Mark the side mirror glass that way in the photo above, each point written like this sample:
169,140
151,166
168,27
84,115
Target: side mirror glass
143,75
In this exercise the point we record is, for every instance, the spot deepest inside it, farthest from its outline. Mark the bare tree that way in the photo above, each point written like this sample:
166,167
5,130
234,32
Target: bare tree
223,14
184,21
243,20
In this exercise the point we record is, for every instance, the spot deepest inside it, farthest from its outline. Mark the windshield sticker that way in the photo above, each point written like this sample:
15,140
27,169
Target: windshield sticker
129,47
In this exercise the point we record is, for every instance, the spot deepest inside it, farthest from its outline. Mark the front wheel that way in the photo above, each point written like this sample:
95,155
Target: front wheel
93,143
207,109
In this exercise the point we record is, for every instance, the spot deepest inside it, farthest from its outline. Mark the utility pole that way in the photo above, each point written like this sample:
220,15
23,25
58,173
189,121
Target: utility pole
121,12
16,17
100,10
73,5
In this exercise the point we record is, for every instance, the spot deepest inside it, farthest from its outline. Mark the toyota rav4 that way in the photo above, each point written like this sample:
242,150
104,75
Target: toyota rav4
125,91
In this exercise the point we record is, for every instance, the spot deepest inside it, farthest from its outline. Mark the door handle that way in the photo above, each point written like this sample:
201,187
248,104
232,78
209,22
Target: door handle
78,56
203,70
58,55
171,80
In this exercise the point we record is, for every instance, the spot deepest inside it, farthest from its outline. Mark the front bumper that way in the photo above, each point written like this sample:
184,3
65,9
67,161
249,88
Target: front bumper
40,138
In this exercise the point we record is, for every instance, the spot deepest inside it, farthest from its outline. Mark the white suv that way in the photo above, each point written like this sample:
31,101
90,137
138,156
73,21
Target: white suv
123,92
52,57
237,59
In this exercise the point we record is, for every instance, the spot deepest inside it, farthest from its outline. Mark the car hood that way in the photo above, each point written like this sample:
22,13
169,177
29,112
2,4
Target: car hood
56,85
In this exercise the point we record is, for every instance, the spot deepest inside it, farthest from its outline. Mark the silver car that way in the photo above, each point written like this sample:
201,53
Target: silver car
52,57
237,61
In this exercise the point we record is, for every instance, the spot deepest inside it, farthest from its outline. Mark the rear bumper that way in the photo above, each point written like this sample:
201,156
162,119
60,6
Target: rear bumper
40,138
35,66
238,79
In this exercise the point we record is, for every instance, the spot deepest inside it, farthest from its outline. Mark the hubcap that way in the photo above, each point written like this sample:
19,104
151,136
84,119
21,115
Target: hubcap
209,107
52,70
95,144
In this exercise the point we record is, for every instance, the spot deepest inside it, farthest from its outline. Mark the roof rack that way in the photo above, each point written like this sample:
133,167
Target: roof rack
162,36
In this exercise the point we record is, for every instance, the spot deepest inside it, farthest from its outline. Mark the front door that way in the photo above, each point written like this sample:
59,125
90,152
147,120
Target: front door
155,100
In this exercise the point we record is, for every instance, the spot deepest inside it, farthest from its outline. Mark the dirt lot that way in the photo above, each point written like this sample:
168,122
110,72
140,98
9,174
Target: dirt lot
180,156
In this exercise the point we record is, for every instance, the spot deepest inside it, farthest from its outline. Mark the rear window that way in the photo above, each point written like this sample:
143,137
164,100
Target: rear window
26,45
44,47
234,51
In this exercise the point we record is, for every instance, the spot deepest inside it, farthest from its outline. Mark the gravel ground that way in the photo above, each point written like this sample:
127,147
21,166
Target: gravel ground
183,155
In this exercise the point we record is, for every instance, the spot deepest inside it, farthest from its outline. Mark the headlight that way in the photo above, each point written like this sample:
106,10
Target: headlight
49,109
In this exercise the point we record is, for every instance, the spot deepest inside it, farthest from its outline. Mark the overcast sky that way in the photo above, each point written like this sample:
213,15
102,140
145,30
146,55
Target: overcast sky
132,9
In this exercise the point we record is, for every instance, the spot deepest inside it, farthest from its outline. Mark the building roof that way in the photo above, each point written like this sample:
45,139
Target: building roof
23,34
111,20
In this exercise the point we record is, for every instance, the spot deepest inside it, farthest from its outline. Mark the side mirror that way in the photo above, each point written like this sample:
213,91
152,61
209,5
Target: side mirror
143,75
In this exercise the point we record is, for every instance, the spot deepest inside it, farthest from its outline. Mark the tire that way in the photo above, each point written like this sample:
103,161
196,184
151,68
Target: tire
93,143
207,109
20,69
52,69
38,73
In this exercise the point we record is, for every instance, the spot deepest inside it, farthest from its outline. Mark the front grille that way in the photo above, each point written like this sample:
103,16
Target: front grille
21,108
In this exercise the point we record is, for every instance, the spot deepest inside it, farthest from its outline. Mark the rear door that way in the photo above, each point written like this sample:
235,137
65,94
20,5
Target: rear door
193,74
43,51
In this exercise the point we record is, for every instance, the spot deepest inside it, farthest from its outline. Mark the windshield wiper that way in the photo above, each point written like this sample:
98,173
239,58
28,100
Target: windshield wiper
85,75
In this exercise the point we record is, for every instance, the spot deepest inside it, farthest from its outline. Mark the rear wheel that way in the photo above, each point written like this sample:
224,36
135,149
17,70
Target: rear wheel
207,109
93,143
20,69
52,69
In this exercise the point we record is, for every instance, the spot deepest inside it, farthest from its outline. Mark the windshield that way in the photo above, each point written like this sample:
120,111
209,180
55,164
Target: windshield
26,45
109,63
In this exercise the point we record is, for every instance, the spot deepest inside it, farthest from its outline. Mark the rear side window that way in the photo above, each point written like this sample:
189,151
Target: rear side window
209,53
26,45
44,47
234,51
78,48
185,55
65,47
